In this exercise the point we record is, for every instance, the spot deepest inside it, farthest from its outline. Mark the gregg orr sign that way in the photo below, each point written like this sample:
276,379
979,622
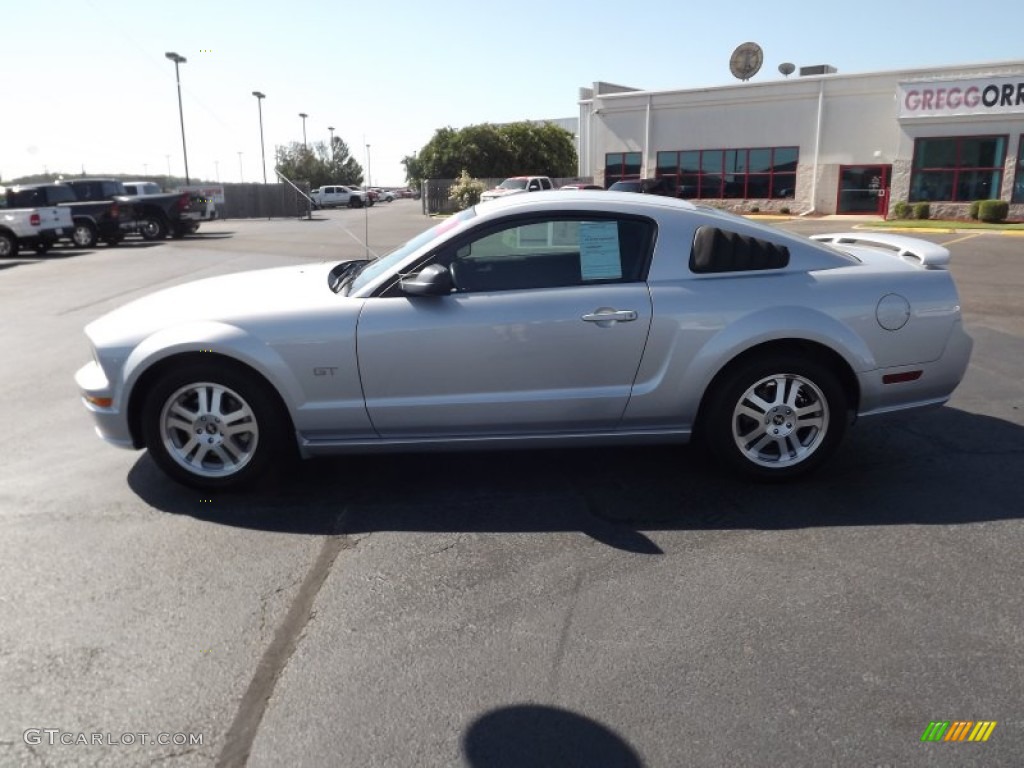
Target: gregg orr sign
987,96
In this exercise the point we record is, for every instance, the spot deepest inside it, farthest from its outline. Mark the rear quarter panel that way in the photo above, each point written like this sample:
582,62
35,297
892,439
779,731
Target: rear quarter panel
702,322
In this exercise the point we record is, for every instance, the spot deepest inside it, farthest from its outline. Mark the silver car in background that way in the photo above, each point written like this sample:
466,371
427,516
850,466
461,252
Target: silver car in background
539,321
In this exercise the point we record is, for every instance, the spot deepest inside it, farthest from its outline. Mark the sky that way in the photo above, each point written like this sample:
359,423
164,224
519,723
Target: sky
85,85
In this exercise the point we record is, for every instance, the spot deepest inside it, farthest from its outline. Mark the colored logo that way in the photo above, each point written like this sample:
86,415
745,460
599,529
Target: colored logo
958,730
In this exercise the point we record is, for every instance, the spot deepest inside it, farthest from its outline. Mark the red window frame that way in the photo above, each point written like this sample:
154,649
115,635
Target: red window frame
703,176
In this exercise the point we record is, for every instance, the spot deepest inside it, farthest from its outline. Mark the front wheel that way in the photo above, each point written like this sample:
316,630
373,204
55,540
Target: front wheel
777,417
213,426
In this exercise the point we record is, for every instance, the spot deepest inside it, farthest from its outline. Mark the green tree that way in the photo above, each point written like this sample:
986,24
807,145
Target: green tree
492,151
413,170
318,165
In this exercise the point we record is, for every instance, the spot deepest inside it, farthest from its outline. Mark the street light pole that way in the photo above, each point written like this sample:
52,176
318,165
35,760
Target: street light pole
331,129
263,153
303,115
241,174
369,176
181,113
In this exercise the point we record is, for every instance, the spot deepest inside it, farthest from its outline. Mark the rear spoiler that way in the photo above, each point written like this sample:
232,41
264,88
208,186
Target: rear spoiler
912,249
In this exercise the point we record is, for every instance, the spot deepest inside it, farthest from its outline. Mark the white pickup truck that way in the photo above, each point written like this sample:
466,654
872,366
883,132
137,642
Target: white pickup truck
37,228
517,184
333,195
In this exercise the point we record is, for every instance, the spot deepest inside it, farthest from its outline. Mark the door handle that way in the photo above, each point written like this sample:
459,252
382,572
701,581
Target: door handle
610,316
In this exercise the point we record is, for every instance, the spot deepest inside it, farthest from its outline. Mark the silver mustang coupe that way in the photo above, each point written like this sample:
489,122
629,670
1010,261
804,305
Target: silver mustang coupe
537,321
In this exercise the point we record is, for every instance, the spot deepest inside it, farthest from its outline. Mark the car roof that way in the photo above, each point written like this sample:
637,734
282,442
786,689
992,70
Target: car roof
609,198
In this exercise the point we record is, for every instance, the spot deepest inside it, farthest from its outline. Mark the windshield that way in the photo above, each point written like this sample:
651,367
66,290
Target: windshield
373,269
513,184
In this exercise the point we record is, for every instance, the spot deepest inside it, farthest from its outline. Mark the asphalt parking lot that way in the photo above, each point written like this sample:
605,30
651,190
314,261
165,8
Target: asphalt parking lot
591,607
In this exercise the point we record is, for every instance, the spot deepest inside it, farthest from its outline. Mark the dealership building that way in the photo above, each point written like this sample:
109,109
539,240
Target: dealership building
819,141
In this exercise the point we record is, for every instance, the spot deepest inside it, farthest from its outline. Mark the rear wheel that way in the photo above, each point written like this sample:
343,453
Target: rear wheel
214,426
83,235
777,417
153,228
8,245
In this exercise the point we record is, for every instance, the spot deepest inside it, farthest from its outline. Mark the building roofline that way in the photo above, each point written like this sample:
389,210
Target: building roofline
902,73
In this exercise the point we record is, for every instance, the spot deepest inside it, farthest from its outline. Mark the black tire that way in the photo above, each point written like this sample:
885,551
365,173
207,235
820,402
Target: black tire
8,245
259,447
801,416
152,227
353,202
83,235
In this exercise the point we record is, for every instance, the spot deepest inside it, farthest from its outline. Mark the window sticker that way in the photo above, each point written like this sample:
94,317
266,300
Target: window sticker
599,250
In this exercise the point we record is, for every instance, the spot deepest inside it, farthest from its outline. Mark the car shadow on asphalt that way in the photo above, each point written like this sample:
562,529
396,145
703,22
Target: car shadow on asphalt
18,263
941,468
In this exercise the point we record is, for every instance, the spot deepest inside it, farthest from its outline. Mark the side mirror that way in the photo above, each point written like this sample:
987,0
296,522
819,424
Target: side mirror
434,280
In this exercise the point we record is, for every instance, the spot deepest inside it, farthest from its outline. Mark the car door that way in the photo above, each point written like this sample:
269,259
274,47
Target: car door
542,333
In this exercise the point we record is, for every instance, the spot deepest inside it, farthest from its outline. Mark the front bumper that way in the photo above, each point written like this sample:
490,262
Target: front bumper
111,420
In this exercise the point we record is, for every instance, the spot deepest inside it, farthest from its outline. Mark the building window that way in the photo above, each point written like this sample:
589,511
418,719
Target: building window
1018,180
958,169
764,172
621,166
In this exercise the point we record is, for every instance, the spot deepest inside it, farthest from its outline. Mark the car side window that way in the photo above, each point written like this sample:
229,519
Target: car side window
534,186
554,253
545,184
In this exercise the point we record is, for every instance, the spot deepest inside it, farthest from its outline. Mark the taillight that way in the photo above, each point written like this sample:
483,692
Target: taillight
183,202
115,211
34,220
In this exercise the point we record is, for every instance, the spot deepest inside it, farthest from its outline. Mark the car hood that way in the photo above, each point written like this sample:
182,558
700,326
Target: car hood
240,299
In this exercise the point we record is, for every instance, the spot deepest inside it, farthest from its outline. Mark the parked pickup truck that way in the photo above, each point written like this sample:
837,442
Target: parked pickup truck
37,228
517,184
201,207
333,195
92,220
155,216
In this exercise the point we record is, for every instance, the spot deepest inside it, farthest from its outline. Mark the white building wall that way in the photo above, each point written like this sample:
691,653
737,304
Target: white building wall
860,125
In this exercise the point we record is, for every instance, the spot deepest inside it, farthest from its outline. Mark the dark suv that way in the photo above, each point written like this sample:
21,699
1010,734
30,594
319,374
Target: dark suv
644,186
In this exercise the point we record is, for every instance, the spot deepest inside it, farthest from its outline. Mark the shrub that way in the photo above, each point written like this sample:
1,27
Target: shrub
993,210
784,209
922,211
901,210
973,210
755,209
466,191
